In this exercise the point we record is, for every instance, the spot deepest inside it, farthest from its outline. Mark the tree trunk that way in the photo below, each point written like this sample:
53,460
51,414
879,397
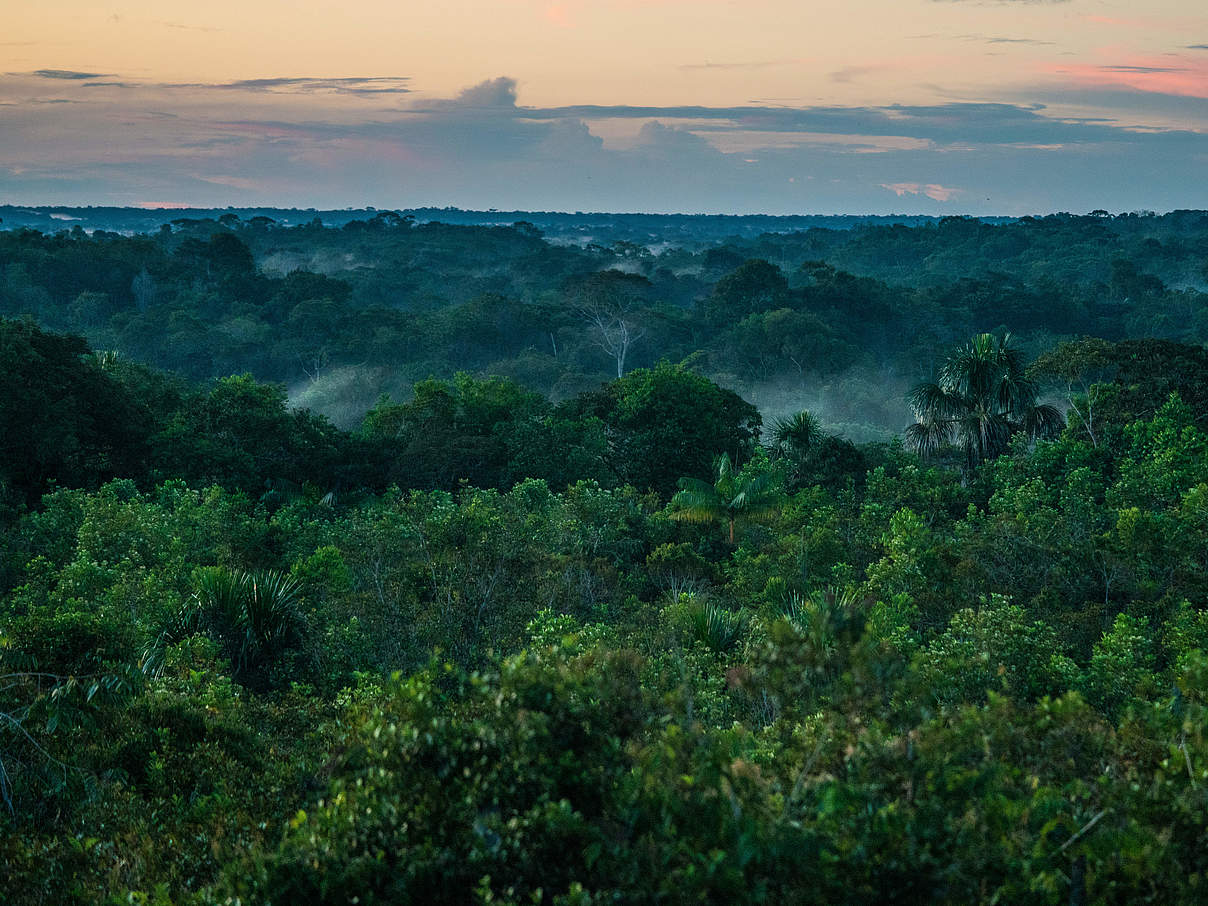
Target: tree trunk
1078,882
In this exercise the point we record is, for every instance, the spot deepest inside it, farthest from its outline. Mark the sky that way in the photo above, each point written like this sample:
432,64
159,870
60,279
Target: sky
714,106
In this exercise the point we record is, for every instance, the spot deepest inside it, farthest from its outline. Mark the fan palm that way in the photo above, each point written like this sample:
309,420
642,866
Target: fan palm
980,399
254,616
794,435
732,497
716,628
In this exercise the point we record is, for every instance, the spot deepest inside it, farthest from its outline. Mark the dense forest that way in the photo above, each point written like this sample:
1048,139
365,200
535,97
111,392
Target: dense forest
404,561
839,321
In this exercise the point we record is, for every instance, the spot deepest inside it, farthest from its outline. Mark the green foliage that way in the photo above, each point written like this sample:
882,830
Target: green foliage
62,419
666,422
255,617
748,495
678,568
752,287
242,434
1121,667
454,779
699,621
487,433
994,648
819,653
813,457
982,397
898,682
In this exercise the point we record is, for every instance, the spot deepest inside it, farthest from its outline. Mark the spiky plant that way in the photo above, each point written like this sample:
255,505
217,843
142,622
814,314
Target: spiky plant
734,496
981,398
825,620
255,617
185,622
794,435
712,625
271,619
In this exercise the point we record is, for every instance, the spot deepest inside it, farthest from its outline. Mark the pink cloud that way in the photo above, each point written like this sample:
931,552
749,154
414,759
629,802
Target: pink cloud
1167,74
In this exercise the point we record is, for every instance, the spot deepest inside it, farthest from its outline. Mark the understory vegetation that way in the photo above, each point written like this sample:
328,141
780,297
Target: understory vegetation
524,631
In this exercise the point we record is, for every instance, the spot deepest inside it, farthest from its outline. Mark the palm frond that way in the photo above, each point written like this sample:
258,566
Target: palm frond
695,485
762,486
758,500
970,369
724,466
825,619
1043,422
734,496
697,505
994,431
1011,358
221,593
1014,393
930,400
927,438
272,615
793,435
254,616
982,396
716,628
179,626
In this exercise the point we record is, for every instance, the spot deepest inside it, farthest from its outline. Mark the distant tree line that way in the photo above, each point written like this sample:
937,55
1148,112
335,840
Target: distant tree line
343,315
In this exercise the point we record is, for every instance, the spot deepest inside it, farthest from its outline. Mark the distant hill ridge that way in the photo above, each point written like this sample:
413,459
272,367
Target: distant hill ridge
556,224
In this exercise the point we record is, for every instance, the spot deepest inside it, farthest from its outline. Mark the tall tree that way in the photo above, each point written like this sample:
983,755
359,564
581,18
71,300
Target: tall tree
734,496
666,421
753,286
981,397
62,419
610,303
1082,366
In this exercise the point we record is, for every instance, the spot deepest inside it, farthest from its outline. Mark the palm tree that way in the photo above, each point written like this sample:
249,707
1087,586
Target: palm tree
255,618
731,497
713,626
793,435
981,398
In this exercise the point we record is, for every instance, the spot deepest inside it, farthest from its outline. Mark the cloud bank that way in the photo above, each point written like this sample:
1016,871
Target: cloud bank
376,140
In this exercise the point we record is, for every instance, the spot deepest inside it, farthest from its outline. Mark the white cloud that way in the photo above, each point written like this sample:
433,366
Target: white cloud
933,191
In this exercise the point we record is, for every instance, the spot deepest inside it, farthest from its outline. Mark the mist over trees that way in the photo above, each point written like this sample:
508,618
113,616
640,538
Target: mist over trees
399,561
342,315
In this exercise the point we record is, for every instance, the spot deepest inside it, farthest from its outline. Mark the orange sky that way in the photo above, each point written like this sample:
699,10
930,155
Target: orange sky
649,52
138,62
